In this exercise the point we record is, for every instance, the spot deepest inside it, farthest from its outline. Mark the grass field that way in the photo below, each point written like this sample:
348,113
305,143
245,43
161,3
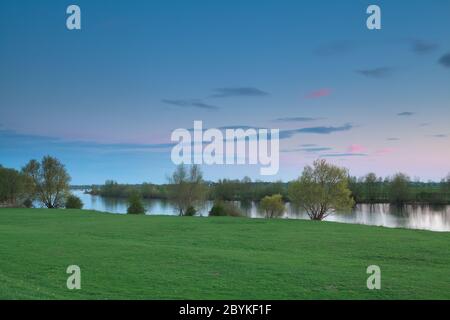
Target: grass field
155,257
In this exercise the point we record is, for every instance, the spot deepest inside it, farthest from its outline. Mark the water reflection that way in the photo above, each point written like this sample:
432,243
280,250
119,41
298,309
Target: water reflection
435,218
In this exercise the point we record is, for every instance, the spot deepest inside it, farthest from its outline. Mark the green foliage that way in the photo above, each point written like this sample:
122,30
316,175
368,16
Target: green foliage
28,203
190,212
246,190
445,185
321,190
13,187
224,208
49,181
112,189
187,188
135,205
273,205
74,202
399,189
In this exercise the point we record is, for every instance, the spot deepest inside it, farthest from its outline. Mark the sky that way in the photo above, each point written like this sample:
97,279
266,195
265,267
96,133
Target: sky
105,99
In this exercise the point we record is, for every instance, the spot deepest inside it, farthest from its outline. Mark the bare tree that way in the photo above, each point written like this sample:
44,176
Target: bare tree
186,188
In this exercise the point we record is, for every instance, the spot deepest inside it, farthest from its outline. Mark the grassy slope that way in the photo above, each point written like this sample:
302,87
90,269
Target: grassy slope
150,257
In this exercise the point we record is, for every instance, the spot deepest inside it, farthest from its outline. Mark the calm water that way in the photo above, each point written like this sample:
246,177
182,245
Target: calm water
435,218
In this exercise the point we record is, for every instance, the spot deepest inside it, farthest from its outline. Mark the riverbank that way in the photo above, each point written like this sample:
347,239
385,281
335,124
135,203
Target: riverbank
160,257
433,218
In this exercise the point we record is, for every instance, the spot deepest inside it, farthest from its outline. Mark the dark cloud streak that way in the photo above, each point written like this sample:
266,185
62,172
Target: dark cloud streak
238,92
445,60
297,119
190,103
378,73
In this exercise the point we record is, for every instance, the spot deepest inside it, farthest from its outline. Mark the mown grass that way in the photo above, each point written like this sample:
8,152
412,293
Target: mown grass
157,257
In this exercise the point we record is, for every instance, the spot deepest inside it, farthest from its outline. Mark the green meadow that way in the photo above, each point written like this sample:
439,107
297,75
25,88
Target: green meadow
163,257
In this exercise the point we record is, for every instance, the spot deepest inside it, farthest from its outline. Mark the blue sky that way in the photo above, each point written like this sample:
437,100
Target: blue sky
105,99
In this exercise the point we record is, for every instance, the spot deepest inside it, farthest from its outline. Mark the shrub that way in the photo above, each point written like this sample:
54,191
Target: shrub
190,211
273,205
135,205
73,202
28,203
222,208
217,210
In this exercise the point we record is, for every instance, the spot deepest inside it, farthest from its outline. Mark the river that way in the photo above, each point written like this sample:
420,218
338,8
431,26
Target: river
426,217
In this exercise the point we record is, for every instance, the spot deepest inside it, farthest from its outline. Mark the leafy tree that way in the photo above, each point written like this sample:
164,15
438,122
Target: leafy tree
273,205
49,181
371,187
321,190
74,202
186,188
13,187
135,205
445,184
399,189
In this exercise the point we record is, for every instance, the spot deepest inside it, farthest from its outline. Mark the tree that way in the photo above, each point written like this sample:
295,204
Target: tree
49,181
321,190
371,186
135,205
399,189
273,205
73,202
13,187
445,184
186,188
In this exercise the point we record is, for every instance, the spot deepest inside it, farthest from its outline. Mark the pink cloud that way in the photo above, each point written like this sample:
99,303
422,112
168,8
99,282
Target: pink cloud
384,151
356,148
318,94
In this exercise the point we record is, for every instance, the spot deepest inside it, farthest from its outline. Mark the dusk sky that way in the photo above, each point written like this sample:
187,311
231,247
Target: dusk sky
105,99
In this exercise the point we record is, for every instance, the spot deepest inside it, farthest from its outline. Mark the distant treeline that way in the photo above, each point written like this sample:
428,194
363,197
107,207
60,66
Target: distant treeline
399,189
228,190
368,189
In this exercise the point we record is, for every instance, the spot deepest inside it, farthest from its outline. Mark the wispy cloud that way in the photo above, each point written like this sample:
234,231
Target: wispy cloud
326,130
193,103
309,150
331,155
381,72
392,139
308,145
318,149
422,46
318,93
238,92
384,151
406,114
12,139
336,48
445,60
356,148
285,134
441,135
297,119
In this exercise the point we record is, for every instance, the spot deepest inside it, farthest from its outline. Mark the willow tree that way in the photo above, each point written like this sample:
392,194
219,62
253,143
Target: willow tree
273,205
49,181
321,190
186,189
